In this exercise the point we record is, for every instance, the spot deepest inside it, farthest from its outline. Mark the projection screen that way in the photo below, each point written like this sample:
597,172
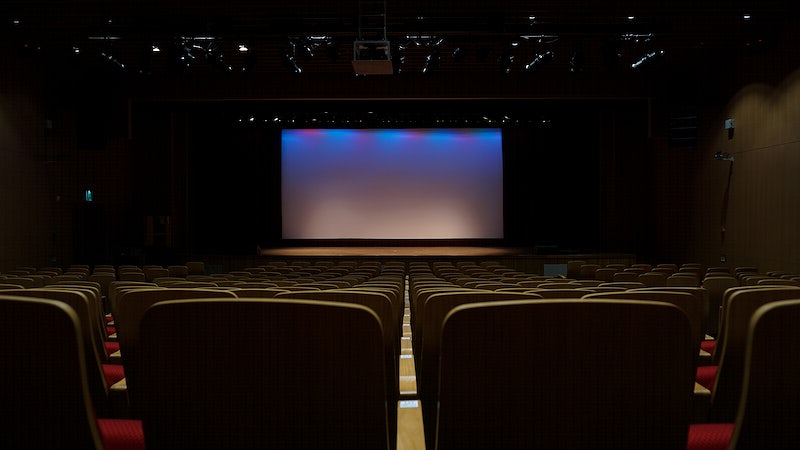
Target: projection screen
387,184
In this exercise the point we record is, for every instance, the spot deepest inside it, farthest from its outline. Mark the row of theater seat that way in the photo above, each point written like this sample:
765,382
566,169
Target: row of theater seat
484,357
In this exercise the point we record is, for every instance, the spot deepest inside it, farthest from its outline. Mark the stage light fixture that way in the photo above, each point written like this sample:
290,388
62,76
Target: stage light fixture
431,61
723,156
646,57
397,63
539,59
249,62
576,61
183,54
112,59
216,59
506,62
540,38
289,59
306,50
637,37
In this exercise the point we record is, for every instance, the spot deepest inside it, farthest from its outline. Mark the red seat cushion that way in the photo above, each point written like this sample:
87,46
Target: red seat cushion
113,373
121,434
709,436
708,346
111,346
705,376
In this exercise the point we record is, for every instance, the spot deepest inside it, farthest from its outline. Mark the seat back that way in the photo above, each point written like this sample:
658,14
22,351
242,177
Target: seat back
540,374
309,376
393,291
437,306
117,286
605,273
94,352
131,305
380,304
689,303
716,285
378,301
653,279
45,396
700,294
625,275
687,278
418,302
563,292
739,308
97,310
769,410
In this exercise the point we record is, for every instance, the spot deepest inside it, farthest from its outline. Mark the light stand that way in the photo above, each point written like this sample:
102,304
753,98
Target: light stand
720,156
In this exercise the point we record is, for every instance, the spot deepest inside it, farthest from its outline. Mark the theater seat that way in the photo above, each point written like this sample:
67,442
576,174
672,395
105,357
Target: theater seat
100,376
768,411
310,375
739,307
46,400
547,374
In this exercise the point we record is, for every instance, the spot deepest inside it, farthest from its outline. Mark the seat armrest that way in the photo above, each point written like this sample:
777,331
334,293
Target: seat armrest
701,403
410,431
408,377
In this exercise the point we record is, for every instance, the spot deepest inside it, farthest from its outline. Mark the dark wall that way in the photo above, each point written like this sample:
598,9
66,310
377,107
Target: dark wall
574,171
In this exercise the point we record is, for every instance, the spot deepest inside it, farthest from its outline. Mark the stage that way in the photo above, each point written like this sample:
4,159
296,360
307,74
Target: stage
523,259
402,251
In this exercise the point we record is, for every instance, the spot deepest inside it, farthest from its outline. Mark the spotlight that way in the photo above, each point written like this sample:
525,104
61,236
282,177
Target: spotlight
540,38
576,61
506,61
637,37
216,61
647,57
113,60
436,42
539,59
183,54
397,62
306,51
249,62
723,156
431,61
291,62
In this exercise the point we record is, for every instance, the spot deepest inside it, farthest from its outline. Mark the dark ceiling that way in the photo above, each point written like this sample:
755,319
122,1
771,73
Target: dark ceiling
502,35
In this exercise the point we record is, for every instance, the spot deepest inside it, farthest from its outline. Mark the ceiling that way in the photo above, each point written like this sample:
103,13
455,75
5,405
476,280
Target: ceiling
502,36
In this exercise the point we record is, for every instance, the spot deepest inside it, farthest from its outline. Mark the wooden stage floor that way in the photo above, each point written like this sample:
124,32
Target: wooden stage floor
402,251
